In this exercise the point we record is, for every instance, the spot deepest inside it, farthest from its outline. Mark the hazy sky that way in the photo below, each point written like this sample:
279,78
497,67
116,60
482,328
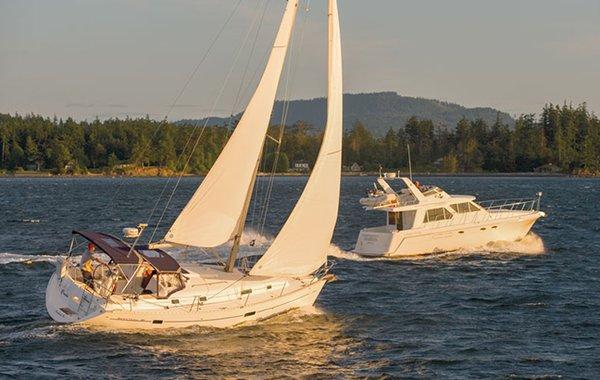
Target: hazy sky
88,58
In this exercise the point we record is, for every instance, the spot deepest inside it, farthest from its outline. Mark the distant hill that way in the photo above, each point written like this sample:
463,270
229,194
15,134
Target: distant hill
379,111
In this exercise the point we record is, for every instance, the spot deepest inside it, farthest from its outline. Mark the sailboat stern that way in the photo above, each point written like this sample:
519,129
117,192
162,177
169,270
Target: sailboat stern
68,302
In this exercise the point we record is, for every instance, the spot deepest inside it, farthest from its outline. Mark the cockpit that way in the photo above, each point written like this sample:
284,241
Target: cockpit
110,266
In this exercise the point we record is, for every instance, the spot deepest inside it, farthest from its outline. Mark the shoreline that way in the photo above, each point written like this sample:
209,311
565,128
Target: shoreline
344,174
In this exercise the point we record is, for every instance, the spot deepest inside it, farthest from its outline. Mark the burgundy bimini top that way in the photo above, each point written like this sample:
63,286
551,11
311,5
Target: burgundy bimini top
121,252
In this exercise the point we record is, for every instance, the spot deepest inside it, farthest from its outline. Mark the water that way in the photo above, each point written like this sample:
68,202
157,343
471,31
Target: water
526,310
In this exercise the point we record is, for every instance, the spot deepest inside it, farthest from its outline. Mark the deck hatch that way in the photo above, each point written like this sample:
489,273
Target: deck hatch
246,291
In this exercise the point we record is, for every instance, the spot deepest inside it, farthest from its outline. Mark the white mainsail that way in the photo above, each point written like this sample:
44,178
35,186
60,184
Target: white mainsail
211,216
302,244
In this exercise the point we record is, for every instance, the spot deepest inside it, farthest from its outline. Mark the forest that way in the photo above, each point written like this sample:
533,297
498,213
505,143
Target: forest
563,139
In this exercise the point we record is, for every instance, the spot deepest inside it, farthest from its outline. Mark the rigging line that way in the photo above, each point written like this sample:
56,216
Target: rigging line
252,50
290,80
189,139
186,85
239,92
260,185
262,215
215,103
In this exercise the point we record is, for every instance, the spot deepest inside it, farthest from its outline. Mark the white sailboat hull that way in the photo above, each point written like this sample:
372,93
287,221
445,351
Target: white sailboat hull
204,302
389,242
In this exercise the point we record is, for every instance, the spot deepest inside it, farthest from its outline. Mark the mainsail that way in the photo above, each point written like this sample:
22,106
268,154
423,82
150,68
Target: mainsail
210,217
302,244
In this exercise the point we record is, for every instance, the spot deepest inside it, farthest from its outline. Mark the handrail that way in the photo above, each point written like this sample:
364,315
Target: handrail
495,210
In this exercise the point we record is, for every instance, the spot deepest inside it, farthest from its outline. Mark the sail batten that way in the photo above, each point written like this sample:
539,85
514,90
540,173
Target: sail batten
302,244
211,216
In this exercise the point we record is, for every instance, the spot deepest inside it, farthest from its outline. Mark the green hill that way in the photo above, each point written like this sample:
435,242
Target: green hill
380,111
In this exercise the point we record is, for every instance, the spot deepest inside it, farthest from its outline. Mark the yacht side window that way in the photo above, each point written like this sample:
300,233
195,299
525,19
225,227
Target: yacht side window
461,208
437,214
474,207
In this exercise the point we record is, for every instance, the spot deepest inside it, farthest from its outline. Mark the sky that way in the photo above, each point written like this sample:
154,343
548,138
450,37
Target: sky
117,58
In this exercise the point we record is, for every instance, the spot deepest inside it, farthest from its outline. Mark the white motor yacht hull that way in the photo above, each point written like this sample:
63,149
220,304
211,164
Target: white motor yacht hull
69,301
383,242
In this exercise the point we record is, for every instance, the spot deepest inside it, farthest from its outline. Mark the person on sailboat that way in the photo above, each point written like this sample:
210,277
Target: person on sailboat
147,274
87,265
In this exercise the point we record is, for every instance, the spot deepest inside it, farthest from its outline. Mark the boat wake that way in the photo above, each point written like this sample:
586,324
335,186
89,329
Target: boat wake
338,253
8,258
532,244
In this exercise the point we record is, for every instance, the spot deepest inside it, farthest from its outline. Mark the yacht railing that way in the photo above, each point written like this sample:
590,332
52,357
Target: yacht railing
511,204
491,210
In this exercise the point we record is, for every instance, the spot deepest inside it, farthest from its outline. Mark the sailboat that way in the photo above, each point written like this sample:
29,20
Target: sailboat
144,287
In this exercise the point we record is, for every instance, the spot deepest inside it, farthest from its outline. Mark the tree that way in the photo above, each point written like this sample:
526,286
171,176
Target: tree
591,148
450,163
59,156
390,149
112,161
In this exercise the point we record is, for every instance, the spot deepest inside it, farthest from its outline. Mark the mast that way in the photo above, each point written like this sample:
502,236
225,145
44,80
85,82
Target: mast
409,163
235,248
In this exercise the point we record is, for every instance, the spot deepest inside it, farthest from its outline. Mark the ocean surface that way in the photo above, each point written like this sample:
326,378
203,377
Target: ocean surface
523,310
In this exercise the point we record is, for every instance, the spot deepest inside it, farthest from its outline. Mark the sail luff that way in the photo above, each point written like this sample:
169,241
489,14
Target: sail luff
302,244
235,248
212,214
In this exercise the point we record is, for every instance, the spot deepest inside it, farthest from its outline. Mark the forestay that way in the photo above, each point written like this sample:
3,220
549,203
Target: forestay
302,244
210,217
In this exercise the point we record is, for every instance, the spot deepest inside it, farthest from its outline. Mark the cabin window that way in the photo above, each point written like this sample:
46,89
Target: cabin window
463,208
391,218
395,218
474,207
437,214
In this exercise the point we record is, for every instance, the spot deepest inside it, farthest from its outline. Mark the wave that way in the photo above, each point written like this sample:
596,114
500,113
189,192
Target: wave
7,258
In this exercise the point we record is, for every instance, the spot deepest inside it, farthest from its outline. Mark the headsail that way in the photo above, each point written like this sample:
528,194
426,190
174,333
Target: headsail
302,244
210,217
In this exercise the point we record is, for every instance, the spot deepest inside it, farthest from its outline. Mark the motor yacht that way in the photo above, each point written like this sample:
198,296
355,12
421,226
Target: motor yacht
426,219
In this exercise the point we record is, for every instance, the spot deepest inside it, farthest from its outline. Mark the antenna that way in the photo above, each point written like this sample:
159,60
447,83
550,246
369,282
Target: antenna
409,163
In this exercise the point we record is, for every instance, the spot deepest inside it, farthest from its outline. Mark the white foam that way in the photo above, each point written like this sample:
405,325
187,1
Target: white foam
532,244
7,258
257,239
259,244
337,252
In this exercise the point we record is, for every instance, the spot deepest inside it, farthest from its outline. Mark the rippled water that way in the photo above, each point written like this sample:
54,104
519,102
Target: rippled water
529,309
